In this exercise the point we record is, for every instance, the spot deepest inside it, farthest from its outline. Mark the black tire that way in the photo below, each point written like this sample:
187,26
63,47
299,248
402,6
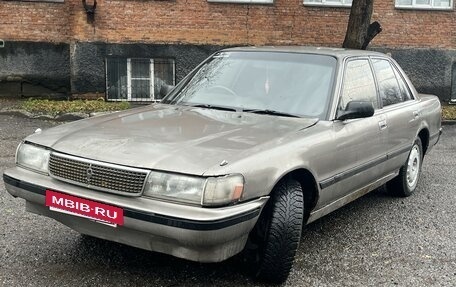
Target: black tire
277,234
405,183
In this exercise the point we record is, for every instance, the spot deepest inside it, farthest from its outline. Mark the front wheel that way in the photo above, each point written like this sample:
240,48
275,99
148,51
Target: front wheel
405,183
277,234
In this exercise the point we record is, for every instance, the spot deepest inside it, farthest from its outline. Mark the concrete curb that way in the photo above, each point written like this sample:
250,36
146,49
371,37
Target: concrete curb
66,117
448,122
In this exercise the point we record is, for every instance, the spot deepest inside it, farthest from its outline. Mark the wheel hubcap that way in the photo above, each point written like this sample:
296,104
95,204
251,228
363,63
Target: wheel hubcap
413,166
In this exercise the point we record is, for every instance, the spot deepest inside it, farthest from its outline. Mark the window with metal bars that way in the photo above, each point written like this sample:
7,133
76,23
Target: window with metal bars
137,79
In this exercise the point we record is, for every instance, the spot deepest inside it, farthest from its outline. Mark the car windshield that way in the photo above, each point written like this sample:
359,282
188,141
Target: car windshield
274,83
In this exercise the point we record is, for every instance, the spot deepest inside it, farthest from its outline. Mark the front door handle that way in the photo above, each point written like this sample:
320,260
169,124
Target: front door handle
382,125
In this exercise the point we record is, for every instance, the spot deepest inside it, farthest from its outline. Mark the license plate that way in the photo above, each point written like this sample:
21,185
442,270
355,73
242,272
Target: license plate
93,210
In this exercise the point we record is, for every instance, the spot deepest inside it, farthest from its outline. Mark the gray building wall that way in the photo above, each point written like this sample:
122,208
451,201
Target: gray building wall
430,70
31,69
88,73
34,69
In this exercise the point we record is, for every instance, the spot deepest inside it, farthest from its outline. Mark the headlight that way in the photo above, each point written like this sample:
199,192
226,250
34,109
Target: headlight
175,187
212,191
33,157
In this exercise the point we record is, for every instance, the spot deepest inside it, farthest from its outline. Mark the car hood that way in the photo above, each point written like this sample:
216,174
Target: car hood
172,138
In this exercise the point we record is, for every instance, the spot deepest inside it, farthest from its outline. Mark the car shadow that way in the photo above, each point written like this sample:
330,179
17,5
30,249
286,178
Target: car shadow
353,210
170,271
165,270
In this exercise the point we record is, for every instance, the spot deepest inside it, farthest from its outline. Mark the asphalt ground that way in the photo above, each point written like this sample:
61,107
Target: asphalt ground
378,240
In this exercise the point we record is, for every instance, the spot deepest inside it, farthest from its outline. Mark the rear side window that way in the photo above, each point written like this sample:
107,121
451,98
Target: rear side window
406,94
359,84
390,92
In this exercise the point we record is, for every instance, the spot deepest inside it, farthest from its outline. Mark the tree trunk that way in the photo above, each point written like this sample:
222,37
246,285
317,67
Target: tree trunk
359,30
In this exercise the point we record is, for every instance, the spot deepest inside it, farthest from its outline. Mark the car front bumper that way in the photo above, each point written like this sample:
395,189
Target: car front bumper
190,232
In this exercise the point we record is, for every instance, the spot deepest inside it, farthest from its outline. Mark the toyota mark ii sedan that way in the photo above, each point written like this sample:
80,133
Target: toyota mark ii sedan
249,147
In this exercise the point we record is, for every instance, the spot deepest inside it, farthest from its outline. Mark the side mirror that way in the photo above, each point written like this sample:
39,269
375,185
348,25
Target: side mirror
356,110
165,89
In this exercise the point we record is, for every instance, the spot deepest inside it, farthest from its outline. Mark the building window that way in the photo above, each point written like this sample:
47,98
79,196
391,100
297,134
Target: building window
134,79
330,3
425,4
243,1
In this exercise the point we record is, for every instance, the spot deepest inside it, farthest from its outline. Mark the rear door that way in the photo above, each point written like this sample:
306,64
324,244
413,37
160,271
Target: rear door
401,112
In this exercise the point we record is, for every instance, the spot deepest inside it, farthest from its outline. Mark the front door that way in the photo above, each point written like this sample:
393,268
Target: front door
359,154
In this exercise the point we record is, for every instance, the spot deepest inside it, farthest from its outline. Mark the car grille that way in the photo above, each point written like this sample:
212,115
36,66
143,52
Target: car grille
97,175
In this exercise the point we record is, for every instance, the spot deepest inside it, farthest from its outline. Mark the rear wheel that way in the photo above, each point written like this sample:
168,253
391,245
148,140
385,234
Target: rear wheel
405,183
275,238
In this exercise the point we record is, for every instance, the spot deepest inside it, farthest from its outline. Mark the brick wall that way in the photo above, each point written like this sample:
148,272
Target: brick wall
200,22
34,21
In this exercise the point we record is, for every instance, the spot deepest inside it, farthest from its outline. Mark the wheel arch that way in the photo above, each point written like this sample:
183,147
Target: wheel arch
423,134
309,186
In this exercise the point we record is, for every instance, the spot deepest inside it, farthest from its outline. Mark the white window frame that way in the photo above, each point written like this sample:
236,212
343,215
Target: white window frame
325,3
151,79
415,6
243,1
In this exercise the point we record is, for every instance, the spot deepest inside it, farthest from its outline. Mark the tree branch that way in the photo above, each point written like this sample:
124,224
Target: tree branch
374,29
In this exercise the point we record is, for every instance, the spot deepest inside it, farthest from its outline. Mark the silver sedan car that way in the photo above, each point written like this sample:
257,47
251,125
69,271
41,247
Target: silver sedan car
253,144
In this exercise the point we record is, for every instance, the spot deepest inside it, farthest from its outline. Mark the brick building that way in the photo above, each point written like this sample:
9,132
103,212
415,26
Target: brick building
56,47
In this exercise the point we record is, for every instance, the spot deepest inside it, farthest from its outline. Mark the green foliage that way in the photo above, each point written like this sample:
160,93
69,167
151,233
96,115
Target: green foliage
82,106
449,112
89,106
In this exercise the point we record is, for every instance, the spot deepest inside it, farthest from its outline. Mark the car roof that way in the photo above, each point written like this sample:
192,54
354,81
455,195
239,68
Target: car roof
335,52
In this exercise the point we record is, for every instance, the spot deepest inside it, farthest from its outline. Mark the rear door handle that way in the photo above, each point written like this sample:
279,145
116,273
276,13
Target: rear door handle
416,114
382,125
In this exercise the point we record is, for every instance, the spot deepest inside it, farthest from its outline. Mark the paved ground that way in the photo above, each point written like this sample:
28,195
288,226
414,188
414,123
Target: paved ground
375,241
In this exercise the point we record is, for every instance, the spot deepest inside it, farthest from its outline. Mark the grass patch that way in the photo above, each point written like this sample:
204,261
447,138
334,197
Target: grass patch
53,107
449,112
77,106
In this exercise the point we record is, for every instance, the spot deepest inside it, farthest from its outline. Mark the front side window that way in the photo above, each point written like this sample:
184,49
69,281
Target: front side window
358,84
292,83
135,79
425,4
390,92
331,3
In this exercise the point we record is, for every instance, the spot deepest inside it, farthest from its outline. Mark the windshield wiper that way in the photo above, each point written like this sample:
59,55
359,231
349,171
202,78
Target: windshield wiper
272,112
207,106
